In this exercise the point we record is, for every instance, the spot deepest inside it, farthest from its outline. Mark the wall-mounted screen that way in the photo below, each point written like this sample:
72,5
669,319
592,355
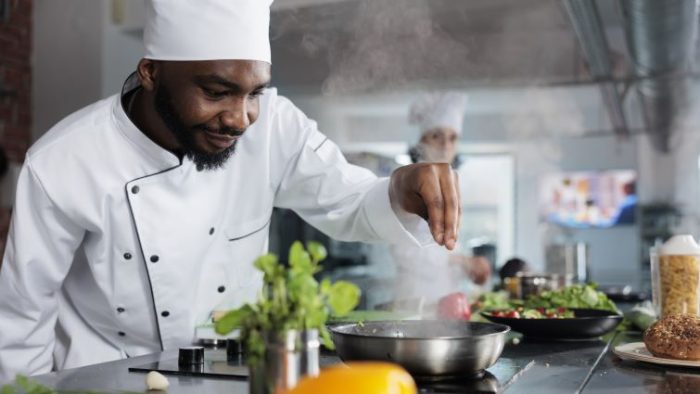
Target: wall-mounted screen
589,199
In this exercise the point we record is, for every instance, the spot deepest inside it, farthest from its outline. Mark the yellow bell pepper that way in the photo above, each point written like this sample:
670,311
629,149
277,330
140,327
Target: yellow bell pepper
358,378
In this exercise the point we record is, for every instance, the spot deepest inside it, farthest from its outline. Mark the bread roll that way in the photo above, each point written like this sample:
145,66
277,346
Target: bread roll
674,336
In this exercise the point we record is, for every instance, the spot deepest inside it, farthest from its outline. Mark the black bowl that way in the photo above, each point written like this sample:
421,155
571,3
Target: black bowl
587,324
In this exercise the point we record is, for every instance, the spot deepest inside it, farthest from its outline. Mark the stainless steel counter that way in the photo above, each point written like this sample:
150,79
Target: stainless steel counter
528,367
619,376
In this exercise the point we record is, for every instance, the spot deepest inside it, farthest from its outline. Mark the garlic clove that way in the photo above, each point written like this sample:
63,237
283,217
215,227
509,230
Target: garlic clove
156,381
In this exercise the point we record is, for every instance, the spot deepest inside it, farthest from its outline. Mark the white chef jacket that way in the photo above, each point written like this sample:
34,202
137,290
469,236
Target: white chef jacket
117,248
424,273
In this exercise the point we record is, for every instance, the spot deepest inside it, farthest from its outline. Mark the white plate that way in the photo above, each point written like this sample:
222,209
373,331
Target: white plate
638,352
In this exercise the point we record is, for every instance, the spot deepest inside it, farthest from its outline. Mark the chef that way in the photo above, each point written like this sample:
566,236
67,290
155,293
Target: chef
424,274
139,214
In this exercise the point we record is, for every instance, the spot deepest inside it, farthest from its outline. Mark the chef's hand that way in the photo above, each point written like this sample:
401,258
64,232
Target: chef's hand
430,190
479,270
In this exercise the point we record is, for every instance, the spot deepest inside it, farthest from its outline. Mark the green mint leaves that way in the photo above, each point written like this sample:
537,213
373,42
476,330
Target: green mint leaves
291,299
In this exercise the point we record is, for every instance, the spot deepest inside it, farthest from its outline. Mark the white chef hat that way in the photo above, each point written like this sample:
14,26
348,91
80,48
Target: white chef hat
445,109
207,30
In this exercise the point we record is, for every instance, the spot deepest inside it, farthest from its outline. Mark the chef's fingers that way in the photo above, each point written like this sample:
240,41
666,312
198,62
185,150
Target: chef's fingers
459,203
450,196
431,194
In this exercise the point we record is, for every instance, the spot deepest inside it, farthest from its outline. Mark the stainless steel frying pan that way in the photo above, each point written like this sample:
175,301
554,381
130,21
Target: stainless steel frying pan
425,348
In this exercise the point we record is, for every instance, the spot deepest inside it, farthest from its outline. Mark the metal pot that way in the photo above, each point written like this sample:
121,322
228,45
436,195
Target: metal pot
426,348
289,355
569,260
534,284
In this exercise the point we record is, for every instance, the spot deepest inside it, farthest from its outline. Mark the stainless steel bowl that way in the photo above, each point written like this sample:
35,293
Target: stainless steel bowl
426,348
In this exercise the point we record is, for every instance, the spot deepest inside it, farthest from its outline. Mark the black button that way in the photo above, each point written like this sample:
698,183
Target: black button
127,256
122,333
211,231
135,189
154,259
165,313
120,310
221,289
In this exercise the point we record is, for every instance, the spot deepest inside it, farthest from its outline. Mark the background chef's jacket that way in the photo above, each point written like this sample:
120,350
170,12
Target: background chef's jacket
117,248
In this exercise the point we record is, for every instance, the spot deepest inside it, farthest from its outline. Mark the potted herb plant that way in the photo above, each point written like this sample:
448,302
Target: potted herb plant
282,329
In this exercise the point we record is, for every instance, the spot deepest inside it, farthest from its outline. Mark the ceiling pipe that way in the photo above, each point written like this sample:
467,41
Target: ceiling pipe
661,37
587,24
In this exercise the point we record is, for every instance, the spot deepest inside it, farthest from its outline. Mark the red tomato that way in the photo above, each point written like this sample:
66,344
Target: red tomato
454,306
513,314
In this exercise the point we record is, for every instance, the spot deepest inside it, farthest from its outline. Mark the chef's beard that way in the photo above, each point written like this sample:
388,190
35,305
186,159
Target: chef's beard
185,135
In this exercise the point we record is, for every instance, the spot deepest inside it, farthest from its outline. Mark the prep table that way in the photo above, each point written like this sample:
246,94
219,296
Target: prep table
526,367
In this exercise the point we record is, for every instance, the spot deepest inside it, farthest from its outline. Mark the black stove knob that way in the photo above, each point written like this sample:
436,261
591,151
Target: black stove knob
191,355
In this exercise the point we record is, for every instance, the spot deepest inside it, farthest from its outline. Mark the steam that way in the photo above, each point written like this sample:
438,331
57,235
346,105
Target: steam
381,43
393,42
399,45
551,115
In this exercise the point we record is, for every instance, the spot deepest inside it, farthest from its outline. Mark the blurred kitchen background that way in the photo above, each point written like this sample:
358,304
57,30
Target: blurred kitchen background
573,105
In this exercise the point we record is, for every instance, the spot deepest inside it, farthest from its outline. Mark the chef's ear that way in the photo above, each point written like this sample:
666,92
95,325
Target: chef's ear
148,71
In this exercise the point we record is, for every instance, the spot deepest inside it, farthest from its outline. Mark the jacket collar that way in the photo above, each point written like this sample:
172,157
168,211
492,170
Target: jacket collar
154,151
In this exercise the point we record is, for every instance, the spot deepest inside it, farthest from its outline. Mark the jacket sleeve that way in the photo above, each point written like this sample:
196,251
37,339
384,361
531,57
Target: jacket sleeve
346,202
38,255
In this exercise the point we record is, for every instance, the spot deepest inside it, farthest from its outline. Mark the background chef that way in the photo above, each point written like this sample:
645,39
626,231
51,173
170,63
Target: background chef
139,214
428,273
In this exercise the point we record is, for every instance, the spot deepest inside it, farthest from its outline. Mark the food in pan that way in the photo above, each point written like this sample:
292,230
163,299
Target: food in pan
679,278
674,336
534,313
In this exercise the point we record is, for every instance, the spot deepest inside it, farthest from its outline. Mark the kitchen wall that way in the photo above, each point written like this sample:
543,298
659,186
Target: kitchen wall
81,54
16,79
67,60
614,253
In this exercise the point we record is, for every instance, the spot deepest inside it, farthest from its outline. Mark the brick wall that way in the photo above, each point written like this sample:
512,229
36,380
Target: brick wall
15,79
15,89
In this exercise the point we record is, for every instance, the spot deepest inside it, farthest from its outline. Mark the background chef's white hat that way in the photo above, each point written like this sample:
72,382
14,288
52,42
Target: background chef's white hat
444,109
207,30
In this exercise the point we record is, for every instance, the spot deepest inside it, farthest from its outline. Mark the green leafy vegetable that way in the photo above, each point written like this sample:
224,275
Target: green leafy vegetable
342,297
493,300
574,296
290,299
641,316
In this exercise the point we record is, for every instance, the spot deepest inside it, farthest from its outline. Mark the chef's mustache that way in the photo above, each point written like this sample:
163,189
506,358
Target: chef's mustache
223,130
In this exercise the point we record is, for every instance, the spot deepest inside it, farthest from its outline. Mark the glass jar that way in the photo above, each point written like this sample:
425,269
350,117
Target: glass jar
675,283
